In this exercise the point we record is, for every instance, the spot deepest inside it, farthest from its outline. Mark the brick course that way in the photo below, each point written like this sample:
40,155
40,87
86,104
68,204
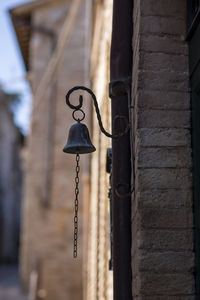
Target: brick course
170,101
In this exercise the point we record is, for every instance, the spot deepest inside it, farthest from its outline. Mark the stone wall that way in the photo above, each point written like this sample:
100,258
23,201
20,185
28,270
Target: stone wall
47,236
162,219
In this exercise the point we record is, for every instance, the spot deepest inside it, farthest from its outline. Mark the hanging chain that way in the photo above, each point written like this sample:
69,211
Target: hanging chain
76,205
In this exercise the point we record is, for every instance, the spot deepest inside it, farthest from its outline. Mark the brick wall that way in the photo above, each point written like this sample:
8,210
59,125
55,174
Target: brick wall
162,220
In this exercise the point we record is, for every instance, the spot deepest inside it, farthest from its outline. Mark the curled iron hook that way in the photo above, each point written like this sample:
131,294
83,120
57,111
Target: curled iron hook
77,107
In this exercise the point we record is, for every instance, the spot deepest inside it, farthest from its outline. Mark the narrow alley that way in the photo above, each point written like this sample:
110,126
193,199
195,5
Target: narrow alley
9,284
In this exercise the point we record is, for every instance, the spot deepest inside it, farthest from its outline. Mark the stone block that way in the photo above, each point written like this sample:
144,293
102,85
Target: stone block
167,240
163,119
152,99
163,8
163,43
172,157
170,178
163,137
164,25
163,81
169,198
161,199
165,218
163,61
166,262
167,284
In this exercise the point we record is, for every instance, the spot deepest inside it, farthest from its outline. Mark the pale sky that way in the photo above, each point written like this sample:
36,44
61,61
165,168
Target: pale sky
12,71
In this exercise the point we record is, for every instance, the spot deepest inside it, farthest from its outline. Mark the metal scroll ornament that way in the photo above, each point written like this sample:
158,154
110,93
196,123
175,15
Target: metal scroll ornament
79,142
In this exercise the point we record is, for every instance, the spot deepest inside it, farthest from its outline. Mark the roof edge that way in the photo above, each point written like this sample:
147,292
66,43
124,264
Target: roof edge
26,8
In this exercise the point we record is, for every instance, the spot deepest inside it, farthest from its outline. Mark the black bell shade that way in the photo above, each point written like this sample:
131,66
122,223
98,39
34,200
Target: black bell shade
79,140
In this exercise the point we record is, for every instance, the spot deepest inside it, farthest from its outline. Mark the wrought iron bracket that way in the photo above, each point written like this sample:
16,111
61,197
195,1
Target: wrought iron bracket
119,87
79,106
121,194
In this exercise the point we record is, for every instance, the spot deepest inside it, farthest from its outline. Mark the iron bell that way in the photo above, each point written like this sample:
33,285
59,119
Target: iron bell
79,140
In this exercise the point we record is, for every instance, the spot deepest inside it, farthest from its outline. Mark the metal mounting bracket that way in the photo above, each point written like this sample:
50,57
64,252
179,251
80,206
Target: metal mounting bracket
119,87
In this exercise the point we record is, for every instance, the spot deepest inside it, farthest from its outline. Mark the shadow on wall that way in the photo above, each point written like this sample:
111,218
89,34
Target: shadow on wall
11,142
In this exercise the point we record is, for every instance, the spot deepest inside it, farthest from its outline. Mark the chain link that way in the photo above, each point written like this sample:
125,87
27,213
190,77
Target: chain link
76,205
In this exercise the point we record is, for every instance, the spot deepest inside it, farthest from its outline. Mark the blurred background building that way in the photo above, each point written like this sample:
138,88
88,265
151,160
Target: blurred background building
11,141
55,41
